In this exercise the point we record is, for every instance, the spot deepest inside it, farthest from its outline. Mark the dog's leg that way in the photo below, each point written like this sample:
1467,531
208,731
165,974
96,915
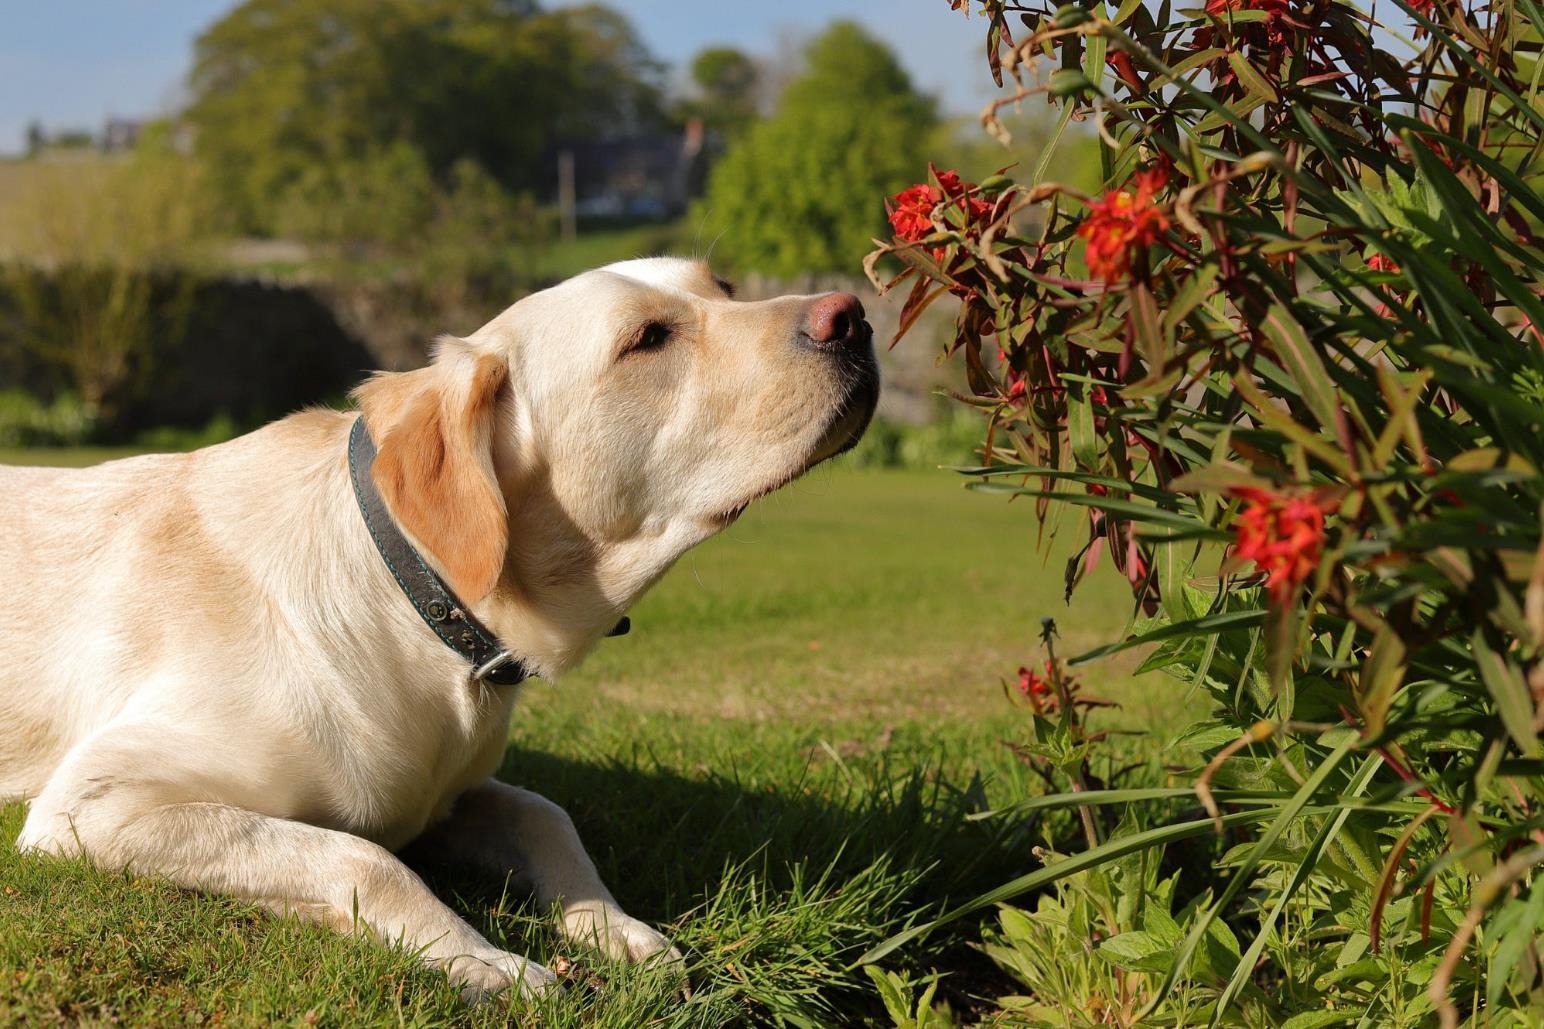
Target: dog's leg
91,807
509,831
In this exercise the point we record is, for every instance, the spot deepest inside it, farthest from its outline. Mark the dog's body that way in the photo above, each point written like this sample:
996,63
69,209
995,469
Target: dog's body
207,670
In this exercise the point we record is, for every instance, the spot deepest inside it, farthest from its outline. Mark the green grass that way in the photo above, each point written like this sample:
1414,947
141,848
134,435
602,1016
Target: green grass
776,766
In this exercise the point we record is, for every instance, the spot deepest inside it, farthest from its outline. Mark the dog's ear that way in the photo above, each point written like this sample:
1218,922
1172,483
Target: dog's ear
434,463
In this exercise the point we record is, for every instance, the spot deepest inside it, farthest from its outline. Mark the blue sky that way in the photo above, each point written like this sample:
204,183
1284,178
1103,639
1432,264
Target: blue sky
73,64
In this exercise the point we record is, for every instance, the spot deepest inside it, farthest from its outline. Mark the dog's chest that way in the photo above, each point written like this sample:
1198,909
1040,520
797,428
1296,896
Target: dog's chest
431,754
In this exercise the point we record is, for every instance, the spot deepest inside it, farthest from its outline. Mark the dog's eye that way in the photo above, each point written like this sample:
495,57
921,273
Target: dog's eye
652,336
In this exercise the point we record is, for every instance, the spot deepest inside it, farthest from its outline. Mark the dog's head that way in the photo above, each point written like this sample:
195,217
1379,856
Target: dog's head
623,415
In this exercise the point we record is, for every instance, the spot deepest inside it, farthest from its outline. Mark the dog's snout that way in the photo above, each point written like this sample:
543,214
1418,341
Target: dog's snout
834,320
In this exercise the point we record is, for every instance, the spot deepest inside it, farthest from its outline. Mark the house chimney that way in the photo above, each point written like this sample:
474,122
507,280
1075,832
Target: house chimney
691,145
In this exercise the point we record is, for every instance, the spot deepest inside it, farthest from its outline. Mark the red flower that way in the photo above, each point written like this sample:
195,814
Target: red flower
1122,224
1283,534
956,190
1032,684
1276,20
950,182
1384,263
912,216
1122,63
911,212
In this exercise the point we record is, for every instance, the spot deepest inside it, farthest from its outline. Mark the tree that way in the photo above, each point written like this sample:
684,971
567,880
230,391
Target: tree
728,86
282,88
797,193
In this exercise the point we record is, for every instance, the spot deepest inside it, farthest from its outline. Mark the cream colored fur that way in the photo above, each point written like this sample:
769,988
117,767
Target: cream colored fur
207,672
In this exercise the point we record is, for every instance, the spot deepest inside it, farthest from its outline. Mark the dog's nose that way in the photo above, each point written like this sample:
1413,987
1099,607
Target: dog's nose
834,320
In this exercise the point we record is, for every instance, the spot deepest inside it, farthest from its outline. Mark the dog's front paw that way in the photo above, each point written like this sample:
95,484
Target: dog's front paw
617,934
485,975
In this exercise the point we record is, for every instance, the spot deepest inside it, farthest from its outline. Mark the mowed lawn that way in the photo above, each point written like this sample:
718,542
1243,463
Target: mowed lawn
776,766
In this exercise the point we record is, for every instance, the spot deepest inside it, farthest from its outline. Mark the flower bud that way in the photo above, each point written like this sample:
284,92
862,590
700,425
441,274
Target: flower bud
1069,16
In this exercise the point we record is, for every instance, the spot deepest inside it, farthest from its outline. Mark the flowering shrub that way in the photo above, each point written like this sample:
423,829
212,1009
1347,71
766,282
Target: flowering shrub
1289,363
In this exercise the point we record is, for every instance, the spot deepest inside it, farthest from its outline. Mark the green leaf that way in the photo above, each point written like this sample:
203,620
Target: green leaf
1517,935
1382,673
1050,147
1463,53
1195,289
1197,60
891,991
1244,970
1147,330
1136,951
1220,622
1218,477
1300,359
1286,816
1250,76
1507,688
1080,425
1124,508
1109,482
1171,573
1270,414
1317,1019
1105,798
1093,60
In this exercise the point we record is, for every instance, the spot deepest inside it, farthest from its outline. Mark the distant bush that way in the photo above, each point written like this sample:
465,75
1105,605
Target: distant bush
26,421
953,439
102,269
168,437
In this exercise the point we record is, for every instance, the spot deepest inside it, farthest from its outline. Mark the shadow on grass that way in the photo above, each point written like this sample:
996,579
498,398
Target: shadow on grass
772,890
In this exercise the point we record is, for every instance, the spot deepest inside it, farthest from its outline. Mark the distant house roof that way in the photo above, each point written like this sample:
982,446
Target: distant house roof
120,134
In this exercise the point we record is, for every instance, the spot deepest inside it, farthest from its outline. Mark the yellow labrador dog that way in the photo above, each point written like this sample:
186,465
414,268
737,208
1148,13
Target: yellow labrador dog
262,667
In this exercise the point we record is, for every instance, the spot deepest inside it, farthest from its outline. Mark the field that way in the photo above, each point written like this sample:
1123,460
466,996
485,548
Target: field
776,766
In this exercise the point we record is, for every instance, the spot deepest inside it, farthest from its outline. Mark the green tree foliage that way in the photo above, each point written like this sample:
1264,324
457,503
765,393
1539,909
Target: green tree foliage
728,86
460,236
282,88
799,192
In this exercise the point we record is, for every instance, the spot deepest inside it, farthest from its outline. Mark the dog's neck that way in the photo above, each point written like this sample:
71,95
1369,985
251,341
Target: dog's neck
561,591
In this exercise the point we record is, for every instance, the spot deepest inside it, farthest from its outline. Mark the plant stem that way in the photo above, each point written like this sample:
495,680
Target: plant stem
1070,725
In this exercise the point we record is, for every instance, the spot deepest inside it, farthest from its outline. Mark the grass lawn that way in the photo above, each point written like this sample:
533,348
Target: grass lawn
775,766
